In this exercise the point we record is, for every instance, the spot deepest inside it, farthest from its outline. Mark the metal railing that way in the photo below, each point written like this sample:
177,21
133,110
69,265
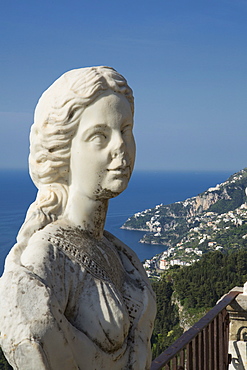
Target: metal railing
204,346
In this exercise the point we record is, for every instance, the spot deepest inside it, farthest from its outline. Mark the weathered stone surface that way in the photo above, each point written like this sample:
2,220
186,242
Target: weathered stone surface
72,295
238,331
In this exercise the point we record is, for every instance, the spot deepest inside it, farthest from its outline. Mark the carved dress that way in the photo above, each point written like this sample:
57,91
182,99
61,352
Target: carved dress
69,302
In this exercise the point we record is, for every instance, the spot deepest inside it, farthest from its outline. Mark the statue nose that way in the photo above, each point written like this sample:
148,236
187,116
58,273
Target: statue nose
118,153
118,147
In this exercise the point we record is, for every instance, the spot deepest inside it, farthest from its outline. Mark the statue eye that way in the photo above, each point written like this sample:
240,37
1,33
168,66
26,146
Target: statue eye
98,138
127,130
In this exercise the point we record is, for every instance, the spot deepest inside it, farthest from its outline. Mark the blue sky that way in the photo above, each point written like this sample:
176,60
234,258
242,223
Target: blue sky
186,61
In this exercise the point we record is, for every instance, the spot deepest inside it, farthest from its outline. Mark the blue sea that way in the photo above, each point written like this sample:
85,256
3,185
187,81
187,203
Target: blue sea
145,190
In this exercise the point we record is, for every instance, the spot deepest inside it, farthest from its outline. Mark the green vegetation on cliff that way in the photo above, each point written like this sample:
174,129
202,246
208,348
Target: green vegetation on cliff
185,294
166,327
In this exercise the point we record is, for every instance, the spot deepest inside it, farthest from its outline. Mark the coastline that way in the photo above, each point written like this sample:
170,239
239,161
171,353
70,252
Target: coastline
145,191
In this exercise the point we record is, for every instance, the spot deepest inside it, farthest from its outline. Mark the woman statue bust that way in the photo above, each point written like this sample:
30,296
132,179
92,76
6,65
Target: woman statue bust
73,296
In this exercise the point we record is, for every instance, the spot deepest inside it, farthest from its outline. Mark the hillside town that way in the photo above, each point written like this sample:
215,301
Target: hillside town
200,239
214,220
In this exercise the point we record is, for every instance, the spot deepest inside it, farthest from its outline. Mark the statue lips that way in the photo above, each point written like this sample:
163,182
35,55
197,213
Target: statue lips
120,167
120,171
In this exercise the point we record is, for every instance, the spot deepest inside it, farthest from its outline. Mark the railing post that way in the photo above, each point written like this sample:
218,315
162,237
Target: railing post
205,345
237,310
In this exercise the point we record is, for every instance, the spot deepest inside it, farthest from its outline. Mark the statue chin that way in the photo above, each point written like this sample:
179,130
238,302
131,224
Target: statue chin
73,295
116,188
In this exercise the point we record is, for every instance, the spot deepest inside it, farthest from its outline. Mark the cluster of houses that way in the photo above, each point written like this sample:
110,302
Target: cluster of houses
166,259
187,251
211,223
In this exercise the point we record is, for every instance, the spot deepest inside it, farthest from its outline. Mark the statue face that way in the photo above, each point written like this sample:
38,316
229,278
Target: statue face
103,149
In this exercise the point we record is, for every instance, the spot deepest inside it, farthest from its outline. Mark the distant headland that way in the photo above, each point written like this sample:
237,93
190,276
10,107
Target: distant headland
213,220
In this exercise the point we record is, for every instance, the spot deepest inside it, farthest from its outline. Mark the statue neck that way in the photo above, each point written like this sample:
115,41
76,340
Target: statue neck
87,213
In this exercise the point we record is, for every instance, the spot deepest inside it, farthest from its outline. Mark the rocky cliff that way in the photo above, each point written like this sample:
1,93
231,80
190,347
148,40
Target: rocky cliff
171,224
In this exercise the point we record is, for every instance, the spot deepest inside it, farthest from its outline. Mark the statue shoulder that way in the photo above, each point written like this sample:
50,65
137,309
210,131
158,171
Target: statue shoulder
38,250
127,255
37,255
121,246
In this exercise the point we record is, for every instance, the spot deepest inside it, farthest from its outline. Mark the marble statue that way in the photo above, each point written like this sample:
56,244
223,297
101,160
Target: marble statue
73,296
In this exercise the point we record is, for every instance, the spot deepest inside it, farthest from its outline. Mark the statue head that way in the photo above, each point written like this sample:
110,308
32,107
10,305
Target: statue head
56,120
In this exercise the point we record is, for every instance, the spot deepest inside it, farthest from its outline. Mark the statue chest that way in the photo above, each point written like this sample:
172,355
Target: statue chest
108,301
